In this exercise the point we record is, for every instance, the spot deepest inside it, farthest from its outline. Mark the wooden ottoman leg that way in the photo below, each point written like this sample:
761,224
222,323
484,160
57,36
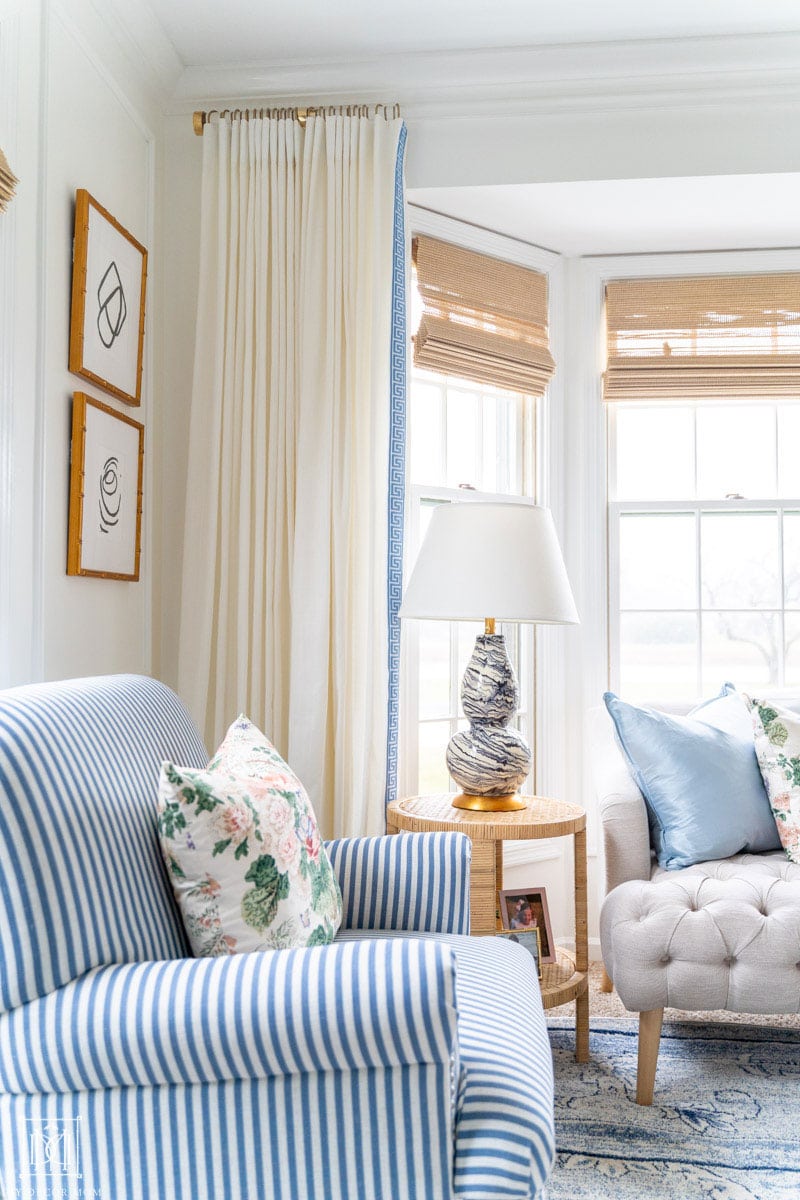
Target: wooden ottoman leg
649,1037
605,982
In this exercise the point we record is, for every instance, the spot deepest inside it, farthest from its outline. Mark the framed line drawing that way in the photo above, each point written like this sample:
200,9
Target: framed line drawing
105,492
109,277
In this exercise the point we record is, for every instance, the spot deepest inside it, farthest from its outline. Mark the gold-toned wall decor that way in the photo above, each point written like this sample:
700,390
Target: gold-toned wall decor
105,492
109,277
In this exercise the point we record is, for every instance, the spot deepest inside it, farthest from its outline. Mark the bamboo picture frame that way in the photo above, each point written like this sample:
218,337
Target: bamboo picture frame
105,493
109,281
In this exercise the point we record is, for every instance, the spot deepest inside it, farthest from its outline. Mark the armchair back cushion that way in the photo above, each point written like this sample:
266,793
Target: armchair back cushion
82,883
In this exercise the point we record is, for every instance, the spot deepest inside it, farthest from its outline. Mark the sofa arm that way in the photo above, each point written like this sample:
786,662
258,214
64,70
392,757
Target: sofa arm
623,814
413,881
371,1004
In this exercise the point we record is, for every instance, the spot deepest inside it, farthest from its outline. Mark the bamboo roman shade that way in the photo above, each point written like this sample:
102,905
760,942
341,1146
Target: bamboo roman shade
703,338
483,319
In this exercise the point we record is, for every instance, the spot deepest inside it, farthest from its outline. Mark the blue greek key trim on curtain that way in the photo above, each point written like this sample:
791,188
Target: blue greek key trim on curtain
397,467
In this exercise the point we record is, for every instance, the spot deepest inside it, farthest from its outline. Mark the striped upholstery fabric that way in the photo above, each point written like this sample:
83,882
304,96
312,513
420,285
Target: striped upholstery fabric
82,882
504,1121
417,881
381,1066
360,1135
333,1008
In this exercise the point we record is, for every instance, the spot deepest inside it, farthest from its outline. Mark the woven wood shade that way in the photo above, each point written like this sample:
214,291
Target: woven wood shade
707,338
8,183
483,319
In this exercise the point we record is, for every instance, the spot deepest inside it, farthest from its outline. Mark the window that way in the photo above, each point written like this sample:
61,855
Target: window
704,546
465,441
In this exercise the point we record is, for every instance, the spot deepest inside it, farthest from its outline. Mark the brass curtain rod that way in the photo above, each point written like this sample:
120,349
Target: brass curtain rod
200,118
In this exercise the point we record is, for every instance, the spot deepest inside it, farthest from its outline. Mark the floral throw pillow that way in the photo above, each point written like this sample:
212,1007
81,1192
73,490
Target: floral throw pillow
244,853
777,741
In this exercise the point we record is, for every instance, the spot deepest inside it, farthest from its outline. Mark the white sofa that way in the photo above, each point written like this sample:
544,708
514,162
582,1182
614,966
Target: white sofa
723,934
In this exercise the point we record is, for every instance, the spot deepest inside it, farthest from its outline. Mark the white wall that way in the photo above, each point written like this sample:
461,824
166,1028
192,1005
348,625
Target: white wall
20,37
82,119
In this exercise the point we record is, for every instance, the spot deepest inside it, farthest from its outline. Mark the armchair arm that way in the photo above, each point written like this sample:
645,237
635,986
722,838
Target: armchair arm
370,1004
626,832
409,881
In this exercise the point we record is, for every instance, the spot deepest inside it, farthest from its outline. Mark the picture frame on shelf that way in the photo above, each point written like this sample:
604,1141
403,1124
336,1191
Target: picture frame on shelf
109,282
530,940
105,494
524,909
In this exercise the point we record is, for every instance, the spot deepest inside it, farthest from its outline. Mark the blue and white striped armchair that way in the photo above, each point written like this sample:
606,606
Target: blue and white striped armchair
404,1061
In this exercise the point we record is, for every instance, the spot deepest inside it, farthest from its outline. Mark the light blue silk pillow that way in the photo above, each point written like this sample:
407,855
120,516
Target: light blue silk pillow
700,779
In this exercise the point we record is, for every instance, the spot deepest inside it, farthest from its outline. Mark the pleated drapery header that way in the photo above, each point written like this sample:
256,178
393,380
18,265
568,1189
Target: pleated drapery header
201,118
483,319
703,337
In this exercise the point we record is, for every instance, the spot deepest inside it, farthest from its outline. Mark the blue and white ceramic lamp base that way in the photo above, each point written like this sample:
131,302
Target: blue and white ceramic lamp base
490,760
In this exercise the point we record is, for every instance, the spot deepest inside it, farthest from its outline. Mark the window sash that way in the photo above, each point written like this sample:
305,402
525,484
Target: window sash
695,508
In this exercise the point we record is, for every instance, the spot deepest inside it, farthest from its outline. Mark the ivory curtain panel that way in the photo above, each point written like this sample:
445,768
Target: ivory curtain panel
295,416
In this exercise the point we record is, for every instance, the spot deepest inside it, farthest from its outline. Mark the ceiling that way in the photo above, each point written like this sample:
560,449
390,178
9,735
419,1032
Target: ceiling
628,216
214,32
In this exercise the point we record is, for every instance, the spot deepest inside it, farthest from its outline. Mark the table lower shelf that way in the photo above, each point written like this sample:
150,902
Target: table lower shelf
560,981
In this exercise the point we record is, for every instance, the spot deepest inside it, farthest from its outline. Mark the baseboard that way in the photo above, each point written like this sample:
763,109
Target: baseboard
595,954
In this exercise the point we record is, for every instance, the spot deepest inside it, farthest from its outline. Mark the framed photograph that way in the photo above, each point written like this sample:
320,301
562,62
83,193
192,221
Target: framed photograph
105,492
530,940
522,909
109,274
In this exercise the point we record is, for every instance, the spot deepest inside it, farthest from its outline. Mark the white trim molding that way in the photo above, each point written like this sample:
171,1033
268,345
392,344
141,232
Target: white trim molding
531,80
143,39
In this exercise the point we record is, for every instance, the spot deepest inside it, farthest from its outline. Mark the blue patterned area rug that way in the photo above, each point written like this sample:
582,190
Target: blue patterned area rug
724,1125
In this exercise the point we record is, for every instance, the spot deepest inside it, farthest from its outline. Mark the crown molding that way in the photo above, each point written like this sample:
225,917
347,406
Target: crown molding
530,81
140,35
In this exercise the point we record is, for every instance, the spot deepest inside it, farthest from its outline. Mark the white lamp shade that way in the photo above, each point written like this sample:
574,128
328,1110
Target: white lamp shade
490,560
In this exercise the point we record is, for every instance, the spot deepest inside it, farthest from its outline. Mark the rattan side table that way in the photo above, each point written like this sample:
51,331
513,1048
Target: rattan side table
568,978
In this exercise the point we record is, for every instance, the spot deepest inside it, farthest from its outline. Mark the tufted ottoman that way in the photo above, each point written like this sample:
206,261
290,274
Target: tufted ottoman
722,935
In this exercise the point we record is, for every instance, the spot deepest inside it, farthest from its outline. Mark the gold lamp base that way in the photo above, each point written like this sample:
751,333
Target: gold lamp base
513,802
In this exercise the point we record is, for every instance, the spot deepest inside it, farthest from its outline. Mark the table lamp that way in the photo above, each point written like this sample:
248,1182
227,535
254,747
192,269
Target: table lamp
503,560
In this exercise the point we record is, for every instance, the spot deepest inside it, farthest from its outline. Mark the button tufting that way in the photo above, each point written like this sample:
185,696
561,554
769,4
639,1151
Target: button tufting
665,958
729,960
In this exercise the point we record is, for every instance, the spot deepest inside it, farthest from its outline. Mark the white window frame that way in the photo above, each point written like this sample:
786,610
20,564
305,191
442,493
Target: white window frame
590,546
